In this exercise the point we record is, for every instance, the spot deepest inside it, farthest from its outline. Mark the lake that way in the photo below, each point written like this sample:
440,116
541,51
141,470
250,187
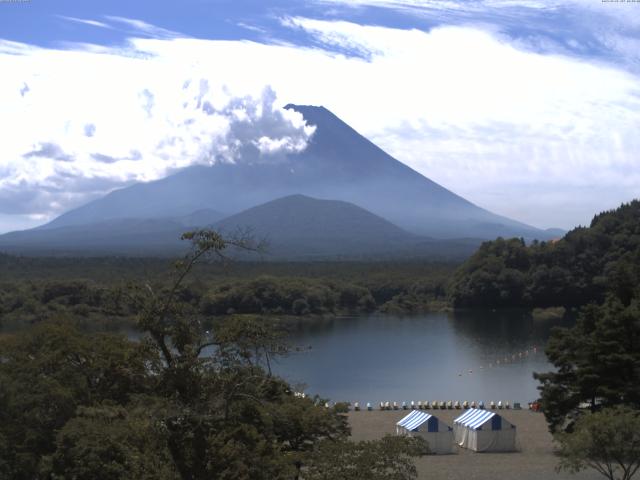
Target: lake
439,356
464,355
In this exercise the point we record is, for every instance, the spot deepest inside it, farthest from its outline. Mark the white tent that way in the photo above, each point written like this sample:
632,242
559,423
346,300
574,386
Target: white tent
484,431
438,435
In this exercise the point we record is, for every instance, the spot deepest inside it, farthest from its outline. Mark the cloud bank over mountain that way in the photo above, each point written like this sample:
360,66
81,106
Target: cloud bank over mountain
84,123
535,127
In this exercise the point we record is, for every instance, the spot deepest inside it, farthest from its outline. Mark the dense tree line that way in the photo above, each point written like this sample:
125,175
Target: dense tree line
91,306
76,405
580,268
108,304
114,269
597,363
591,399
293,296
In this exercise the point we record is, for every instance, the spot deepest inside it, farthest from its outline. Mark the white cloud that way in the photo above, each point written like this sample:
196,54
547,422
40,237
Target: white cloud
451,5
606,29
507,128
504,127
619,10
141,27
85,21
87,123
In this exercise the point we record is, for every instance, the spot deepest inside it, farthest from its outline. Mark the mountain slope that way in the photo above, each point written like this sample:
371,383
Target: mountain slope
303,228
338,164
123,236
297,225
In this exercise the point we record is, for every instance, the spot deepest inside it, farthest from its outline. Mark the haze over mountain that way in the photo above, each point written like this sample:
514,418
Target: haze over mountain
317,226
338,164
131,236
296,227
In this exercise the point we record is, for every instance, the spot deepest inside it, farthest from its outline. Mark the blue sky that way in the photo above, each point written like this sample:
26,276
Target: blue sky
529,108
580,28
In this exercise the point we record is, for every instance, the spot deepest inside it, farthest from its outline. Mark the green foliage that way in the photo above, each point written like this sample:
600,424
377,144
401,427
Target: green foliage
607,441
597,362
110,443
104,301
581,268
50,371
90,305
424,295
97,406
493,276
386,459
289,296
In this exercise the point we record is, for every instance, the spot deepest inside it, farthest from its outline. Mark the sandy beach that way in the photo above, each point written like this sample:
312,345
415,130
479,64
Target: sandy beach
534,459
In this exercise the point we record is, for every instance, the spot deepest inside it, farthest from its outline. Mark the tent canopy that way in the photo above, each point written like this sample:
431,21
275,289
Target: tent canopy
438,435
416,418
476,418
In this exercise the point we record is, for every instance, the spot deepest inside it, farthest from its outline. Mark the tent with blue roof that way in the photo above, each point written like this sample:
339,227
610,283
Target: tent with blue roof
484,431
438,435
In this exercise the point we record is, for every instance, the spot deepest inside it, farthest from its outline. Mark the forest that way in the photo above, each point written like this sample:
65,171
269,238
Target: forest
96,293
581,268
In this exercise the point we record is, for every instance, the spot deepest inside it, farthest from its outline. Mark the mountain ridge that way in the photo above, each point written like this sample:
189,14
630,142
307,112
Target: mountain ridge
297,227
338,164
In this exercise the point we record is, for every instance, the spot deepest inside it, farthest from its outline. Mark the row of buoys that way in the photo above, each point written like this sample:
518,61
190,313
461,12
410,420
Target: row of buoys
441,405
435,405
507,359
512,358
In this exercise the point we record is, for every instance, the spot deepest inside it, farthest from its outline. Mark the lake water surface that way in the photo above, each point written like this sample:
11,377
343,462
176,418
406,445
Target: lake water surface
470,355
439,356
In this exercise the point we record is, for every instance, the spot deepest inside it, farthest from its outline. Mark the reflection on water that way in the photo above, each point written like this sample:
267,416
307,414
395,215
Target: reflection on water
462,356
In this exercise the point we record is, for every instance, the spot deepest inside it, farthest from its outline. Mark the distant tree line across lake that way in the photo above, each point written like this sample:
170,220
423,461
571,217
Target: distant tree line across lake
96,294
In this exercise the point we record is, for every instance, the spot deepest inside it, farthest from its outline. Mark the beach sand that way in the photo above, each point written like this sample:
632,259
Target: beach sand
534,459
